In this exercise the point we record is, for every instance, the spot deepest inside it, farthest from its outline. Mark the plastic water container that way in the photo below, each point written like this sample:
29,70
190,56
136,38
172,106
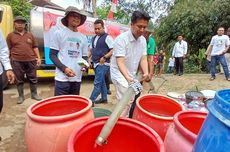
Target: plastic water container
127,136
181,135
156,111
50,122
215,132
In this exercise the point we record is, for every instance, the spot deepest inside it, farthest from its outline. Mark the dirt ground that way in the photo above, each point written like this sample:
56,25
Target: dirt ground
12,119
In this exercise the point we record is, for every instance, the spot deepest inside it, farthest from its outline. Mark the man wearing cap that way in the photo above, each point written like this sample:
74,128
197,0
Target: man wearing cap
67,47
24,55
151,48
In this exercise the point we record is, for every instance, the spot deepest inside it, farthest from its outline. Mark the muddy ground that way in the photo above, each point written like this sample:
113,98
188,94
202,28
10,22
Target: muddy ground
12,119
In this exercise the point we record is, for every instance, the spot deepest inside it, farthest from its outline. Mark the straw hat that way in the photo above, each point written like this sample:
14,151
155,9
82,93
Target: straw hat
20,18
73,9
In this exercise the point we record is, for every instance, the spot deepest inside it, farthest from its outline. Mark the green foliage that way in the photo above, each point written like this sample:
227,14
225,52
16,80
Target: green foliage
198,20
19,7
196,63
155,8
125,8
120,16
102,12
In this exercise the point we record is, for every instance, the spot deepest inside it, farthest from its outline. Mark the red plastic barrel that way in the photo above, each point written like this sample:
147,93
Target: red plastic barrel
127,136
156,111
181,135
51,121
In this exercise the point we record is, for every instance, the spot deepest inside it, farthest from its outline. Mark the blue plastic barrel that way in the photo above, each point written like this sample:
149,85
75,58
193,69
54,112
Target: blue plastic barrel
214,135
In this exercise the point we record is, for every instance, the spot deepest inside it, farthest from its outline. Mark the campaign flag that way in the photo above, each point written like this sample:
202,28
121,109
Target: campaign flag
113,9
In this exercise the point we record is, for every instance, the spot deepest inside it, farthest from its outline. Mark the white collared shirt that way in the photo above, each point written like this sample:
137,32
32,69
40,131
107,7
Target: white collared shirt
180,49
4,54
132,50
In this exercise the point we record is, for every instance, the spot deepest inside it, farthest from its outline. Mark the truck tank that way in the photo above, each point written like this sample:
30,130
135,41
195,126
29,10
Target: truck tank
37,27
37,21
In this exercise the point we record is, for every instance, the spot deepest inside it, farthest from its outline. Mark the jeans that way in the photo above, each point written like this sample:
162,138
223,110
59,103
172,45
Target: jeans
222,60
67,88
227,57
99,83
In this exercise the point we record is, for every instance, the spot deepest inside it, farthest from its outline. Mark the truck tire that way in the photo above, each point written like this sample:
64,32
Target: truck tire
4,80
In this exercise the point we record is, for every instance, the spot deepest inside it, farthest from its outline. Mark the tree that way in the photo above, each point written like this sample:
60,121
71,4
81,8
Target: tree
197,20
19,7
125,8
120,16
155,8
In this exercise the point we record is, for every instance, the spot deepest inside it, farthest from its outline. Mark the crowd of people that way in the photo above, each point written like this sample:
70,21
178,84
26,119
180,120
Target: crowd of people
132,52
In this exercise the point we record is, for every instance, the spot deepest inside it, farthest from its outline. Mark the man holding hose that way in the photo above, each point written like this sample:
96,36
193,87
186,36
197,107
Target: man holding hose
129,53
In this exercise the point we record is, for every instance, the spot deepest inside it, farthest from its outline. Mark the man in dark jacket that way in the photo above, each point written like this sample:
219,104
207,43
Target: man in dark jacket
100,53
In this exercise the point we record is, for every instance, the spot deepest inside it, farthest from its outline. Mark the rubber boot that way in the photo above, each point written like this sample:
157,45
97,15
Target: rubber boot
20,94
34,94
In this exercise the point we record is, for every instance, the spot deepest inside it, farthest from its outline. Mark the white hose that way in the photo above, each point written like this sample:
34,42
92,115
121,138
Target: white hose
110,123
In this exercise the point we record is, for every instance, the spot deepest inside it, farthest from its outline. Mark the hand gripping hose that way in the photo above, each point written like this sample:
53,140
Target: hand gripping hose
110,123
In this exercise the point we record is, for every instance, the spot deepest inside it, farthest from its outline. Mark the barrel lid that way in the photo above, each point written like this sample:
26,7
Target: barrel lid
208,94
220,106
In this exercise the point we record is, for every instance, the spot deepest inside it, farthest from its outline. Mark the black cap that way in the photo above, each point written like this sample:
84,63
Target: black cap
19,18
73,9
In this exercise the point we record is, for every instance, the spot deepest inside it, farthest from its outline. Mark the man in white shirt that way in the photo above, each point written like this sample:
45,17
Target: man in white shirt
179,53
129,53
219,46
4,62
